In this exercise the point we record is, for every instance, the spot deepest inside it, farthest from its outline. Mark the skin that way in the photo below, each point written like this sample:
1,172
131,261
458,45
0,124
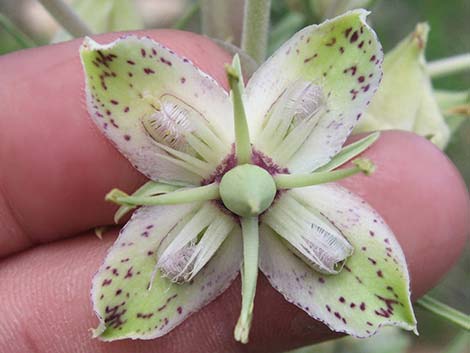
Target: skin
56,167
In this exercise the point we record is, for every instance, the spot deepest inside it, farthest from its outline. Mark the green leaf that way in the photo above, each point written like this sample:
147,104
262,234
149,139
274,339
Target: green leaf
172,121
131,296
316,87
373,288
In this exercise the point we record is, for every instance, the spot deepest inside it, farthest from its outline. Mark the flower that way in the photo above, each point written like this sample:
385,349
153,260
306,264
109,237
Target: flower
407,81
214,205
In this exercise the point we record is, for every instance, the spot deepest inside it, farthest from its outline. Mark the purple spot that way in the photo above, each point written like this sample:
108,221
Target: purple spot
143,52
115,102
328,308
362,306
352,305
371,233
342,300
179,310
119,291
373,262
126,109
341,50
127,137
372,58
354,37
130,62
154,52
361,79
331,42
106,282
182,79
380,274
347,31
148,71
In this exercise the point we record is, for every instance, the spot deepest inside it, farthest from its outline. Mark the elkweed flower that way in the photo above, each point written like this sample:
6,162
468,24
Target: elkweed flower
244,181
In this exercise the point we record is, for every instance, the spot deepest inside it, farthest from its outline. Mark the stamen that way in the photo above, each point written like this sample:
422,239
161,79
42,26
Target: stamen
170,123
177,268
308,234
291,120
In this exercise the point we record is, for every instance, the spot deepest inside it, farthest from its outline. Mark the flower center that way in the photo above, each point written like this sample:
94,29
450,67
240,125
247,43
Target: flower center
247,190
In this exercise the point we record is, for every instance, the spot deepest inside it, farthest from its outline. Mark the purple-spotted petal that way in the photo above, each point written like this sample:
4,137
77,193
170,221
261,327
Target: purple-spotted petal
305,100
132,298
373,288
171,120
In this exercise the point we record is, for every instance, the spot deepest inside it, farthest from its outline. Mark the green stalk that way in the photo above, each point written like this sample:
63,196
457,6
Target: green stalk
288,181
66,17
449,66
21,38
255,28
444,311
242,135
202,193
191,11
459,343
250,236
350,151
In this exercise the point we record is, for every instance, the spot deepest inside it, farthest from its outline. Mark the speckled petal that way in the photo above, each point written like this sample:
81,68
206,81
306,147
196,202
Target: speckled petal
373,288
343,58
171,120
133,300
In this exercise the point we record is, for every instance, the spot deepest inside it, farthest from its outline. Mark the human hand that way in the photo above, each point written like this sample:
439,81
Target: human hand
55,168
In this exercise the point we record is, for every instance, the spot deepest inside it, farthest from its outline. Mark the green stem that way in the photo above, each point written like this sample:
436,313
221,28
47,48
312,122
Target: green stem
150,188
21,38
250,234
459,343
449,66
288,181
444,311
350,151
66,17
202,193
242,135
183,21
255,28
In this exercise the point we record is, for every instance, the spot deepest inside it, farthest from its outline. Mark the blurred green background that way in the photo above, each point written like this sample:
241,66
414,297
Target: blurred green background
393,20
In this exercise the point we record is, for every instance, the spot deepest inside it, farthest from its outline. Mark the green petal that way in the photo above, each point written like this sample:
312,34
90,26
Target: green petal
325,75
132,298
405,99
172,121
373,288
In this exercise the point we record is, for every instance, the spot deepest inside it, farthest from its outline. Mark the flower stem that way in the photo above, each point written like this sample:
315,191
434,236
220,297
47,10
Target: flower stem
242,135
448,66
202,193
249,276
459,343
66,17
288,181
444,311
255,28
182,22
21,38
